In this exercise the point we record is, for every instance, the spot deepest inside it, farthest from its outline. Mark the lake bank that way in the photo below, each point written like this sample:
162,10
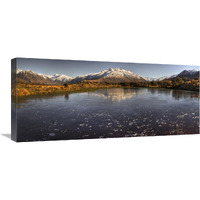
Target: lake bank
24,90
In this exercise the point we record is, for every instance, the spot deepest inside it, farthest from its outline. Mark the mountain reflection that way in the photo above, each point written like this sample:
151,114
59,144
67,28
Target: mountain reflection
120,94
117,94
176,94
112,94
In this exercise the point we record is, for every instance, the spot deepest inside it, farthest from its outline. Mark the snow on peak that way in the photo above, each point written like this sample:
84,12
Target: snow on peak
56,77
189,71
161,78
62,78
114,69
18,70
26,71
111,69
112,73
45,76
150,79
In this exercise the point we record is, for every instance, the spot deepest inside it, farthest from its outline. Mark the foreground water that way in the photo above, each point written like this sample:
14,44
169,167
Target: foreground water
116,112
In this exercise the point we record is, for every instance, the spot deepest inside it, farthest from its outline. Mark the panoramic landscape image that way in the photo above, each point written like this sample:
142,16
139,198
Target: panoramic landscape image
66,99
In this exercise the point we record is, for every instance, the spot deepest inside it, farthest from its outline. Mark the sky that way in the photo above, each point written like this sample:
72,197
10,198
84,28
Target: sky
74,68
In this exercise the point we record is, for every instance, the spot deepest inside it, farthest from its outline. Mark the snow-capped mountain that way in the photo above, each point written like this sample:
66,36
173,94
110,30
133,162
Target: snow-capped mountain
159,79
18,71
61,78
150,79
114,75
166,77
184,74
162,78
57,77
110,75
29,76
189,74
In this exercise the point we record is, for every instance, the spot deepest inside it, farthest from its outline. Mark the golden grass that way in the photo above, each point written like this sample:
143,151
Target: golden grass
22,90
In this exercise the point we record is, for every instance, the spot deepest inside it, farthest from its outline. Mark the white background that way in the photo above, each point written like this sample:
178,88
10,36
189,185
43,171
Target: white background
130,168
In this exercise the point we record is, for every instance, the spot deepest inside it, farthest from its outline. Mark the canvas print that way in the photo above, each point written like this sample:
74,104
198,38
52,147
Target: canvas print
68,99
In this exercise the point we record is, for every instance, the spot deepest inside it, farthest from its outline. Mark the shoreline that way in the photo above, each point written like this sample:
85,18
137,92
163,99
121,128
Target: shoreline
73,89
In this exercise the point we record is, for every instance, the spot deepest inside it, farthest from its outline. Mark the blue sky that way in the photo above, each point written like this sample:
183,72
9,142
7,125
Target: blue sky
75,68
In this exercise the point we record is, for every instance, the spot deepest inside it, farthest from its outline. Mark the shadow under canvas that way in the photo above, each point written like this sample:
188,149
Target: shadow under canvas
7,135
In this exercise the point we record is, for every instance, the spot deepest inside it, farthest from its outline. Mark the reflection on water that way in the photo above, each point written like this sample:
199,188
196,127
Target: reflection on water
176,94
116,94
119,94
66,96
115,112
22,101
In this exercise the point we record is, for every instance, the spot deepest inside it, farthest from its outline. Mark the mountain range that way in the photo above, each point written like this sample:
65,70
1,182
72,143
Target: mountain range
191,74
161,78
114,75
28,76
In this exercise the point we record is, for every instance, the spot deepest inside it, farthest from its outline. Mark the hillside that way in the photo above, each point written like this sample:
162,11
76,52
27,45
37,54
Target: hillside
113,75
28,76
191,74
31,83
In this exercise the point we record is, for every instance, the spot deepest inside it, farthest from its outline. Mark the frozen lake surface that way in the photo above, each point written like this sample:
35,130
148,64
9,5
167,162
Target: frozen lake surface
116,112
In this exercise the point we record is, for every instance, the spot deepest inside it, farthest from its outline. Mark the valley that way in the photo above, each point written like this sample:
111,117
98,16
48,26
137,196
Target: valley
31,83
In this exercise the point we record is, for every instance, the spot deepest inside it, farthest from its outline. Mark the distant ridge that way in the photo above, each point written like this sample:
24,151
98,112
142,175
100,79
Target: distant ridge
188,74
191,74
114,75
29,76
